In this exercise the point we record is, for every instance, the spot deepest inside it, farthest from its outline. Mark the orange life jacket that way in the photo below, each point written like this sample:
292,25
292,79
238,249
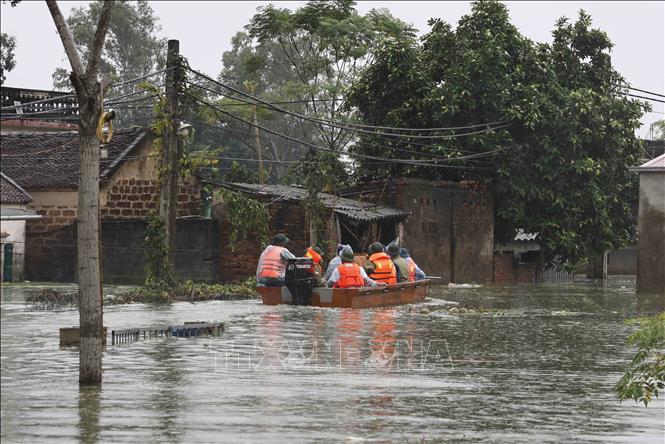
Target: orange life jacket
270,263
412,269
316,258
384,269
349,276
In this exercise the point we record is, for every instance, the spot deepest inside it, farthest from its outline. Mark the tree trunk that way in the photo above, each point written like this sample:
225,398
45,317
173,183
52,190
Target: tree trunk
89,264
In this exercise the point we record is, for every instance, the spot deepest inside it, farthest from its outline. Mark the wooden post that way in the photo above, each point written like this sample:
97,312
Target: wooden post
170,161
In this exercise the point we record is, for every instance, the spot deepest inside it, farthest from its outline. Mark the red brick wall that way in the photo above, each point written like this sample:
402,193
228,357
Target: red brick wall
508,270
54,217
285,217
135,198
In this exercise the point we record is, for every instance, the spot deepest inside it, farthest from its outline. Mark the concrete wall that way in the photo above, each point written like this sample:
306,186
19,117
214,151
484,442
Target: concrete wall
622,261
651,233
54,253
16,236
509,270
451,231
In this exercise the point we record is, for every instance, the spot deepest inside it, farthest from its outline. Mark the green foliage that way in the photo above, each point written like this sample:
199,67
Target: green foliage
159,276
562,166
7,61
131,49
659,127
240,174
645,375
245,216
319,172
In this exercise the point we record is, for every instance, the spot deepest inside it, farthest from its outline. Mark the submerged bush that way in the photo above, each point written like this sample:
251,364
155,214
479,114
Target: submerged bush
645,375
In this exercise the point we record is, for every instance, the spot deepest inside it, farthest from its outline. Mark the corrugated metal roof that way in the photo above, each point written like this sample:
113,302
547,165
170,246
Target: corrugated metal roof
17,213
657,164
354,209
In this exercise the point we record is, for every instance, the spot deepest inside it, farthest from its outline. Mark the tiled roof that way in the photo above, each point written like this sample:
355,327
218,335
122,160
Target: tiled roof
351,208
51,160
11,192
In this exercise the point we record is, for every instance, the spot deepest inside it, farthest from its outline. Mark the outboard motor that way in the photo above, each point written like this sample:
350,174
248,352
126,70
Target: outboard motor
300,279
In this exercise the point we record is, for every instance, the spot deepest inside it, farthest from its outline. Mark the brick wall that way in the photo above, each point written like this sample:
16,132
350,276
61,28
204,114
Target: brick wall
285,217
451,231
135,198
54,217
53,254
508,270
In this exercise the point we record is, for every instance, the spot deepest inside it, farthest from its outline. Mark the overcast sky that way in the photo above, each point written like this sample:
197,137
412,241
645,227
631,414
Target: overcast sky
205,30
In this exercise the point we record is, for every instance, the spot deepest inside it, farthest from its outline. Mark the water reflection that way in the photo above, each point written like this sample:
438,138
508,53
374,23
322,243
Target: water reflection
89,411
539,369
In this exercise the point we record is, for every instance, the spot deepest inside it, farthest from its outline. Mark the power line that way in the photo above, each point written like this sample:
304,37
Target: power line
644,97
345,125
648,92
321,148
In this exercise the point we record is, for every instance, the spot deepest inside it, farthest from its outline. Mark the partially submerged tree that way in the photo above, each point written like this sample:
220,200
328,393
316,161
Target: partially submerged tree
89,92
561,166
7,61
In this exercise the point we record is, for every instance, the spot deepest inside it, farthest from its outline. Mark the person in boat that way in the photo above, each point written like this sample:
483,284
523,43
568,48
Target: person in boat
379,266
336,261
401,266
349,274
415,273
272,264
316,255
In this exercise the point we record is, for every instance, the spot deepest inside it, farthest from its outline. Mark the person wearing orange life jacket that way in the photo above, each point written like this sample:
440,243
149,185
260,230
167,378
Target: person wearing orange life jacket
271,268
316,255
415,273
349,274
379,266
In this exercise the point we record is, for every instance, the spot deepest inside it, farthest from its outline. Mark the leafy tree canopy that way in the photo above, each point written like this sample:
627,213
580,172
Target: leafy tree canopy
132,48
7,61
560,168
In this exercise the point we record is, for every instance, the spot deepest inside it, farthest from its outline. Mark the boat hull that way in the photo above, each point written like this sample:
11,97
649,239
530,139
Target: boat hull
366,297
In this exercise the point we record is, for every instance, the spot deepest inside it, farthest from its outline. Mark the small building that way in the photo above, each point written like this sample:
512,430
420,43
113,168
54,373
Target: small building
517,261
13,216
349,221
651,227
46,165
450,232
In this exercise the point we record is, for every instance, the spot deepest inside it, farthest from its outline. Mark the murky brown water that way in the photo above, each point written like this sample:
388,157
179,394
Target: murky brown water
540,369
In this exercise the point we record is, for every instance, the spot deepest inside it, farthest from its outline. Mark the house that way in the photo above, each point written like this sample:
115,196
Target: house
56,110
651,227
46,165
450,232
13,216
348,221
517,261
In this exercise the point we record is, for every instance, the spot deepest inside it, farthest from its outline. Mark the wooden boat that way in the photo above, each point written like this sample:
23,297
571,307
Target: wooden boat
365,297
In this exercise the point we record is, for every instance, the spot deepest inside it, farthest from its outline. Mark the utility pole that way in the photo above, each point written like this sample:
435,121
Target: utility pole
258,144
169,171
251,87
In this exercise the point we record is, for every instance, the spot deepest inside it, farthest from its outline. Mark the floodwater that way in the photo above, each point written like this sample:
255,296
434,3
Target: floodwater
536,364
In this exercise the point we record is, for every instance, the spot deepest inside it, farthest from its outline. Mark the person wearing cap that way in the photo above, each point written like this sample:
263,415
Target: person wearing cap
379,266
334,262
401,265
272,264
415,273
349,274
